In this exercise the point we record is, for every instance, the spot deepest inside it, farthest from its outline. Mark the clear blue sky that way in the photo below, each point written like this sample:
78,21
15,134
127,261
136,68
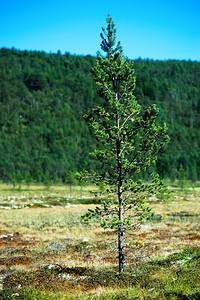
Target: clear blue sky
158,29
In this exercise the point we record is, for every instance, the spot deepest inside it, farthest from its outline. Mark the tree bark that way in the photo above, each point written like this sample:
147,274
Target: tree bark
121,219
121,243
121,205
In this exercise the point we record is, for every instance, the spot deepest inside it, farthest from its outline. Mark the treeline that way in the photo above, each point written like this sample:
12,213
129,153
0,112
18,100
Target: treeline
43,98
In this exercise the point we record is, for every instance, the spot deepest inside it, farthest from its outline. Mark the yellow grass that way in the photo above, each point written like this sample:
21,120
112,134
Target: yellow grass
33,230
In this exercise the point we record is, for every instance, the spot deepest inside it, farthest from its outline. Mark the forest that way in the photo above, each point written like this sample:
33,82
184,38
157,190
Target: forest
43,97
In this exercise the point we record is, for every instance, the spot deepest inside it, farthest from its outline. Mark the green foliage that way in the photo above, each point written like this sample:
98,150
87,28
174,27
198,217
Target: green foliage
43,97
71,177
47,183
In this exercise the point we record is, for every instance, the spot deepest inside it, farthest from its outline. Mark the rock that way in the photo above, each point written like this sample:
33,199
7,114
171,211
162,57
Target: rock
53,267
146,226
2,236
55,246
85,239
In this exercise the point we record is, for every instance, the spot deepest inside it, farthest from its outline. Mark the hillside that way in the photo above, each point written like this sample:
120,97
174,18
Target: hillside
44,96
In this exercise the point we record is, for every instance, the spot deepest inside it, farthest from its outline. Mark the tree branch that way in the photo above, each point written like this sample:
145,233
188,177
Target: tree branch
129,116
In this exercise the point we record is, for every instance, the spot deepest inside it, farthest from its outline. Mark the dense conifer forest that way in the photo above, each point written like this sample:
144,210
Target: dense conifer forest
43,98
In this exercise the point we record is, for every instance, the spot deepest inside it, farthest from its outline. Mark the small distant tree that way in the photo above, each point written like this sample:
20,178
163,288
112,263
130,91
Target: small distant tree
47,181
28,180
16,178
182,178
71,179
130,141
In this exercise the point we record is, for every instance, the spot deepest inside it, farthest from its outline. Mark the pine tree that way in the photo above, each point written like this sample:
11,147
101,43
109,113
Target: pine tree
130,141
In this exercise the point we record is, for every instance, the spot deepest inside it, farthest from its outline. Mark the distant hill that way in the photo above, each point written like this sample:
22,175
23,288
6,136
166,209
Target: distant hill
44,96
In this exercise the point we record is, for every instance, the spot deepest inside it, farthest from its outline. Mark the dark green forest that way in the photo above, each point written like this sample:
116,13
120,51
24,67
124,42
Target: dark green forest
43,98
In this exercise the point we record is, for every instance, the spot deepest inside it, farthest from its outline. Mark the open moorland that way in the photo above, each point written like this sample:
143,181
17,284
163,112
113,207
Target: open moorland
47,252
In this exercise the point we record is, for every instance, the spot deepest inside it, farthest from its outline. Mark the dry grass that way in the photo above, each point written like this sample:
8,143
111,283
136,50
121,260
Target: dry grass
27,235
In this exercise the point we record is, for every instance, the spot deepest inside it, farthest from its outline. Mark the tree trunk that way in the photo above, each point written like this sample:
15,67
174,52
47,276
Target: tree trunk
121,205
121,247
81,192
120,198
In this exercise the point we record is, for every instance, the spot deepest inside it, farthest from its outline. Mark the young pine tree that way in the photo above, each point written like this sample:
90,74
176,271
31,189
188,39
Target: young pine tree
130,141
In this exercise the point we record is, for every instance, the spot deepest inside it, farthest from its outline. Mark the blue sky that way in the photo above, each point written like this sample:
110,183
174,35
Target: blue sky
158,29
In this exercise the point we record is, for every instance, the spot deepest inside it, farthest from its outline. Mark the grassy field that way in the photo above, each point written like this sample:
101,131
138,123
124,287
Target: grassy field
47,252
